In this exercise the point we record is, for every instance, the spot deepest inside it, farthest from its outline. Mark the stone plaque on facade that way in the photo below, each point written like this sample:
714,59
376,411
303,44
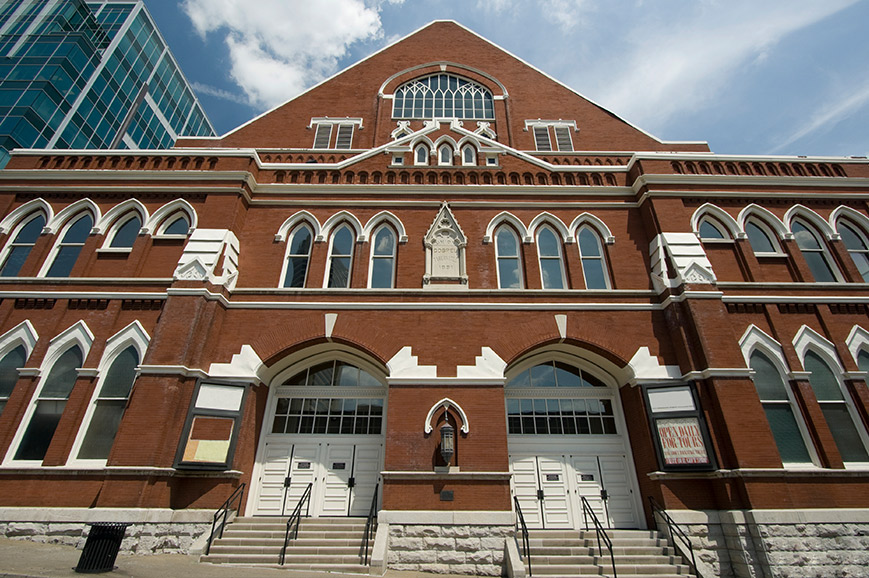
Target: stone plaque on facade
445,253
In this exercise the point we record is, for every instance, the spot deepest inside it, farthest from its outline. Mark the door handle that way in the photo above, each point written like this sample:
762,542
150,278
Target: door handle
351,482
287,481
539,494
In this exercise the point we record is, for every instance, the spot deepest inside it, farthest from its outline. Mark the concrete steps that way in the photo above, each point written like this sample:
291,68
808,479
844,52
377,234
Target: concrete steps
323,545
571,553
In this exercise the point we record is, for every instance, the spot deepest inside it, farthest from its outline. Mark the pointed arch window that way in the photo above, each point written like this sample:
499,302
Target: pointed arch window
711,229
341,258
9,365
298,257
760,237
382,274
507,256
469,155
22,243
593,263
863,360
837,410
443,96
857,246
551,261
109,406
445,155
814,252
125,235
66,251
420,155
779,409
53,394
177,225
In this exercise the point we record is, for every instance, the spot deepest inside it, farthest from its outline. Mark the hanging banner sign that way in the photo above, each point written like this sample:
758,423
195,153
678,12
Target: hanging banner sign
682,441
678,427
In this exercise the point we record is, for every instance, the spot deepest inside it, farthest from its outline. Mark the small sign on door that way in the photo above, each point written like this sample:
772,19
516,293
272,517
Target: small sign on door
338,465
303,466
552,477
586,477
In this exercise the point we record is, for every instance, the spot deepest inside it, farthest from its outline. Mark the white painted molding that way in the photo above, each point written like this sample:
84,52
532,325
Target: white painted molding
22,334
331,318
245,365
385,217
510,218
561,323
808,339
596,224
645,366
857,340
295,219
405,365
489,366
717,214
446,403
25,211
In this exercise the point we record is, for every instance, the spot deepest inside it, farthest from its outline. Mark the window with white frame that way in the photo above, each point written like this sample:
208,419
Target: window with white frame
341,257
780,410
443,96
593,263
9,365
863,360
814,252
541,138
445,155
124,234
837,409
382,274
760,237
344,140
176,226
551,261
420,155
66,251
298,256
562,138
711,229
508,258
49,405
323,136
109,405
469,155
23,240
858,247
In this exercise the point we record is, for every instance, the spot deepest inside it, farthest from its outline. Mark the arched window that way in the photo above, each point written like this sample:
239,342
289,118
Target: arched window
591,255
66,251
22,242
857,246
836,409
779,409
760,237
710,229
382,274
507,256
298,257
125,235
53,394
177,225
814,252
109,405
443,96
469,155
420,155
341,257
9,373
551,263
863,360
445,155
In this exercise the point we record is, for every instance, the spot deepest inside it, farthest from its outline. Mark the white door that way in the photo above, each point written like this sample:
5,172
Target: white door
525,488
556,500
304,470
270,501
338,469
587,484
616,481
366,473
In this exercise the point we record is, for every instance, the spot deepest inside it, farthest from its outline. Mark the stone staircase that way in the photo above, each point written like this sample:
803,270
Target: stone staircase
638,553
324,544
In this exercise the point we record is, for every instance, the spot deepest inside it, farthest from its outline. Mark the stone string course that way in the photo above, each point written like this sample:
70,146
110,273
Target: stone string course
448,549
141,538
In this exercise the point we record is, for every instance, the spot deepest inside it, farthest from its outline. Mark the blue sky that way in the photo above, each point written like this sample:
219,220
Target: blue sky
749,77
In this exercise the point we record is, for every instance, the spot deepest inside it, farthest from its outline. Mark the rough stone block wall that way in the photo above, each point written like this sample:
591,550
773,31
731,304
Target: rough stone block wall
146,538
448,549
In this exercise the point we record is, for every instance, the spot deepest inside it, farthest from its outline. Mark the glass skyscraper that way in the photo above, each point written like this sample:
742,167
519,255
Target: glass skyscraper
98,74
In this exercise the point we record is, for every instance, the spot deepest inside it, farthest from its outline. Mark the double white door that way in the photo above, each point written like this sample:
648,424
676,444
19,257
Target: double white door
550,489
343,477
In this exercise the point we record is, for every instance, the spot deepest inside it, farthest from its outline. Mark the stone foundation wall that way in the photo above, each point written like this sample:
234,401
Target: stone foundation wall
778,543
149,532
448,542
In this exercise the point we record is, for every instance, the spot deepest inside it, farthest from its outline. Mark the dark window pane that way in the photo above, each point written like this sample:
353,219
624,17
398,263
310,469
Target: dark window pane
297,269
122,373
63,374
543,375
40,430
567,375
179,226
298,379
15,260
552,277
786,433
767,379
592,270
280,424
844,432
64,261
758,239
588,244
127,233
818,265
321,374
381,273
367,380
709,231
102,430
9,370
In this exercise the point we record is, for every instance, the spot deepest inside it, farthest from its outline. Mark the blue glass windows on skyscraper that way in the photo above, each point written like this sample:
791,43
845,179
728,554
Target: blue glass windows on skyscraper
76,74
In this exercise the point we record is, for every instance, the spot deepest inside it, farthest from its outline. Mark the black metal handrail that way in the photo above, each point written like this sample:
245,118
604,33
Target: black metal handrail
526,542
369,524
295,519
223,511
599,531
674,531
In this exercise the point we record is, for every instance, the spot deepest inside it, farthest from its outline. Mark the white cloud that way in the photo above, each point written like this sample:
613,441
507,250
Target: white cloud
565,13
277,49
201,88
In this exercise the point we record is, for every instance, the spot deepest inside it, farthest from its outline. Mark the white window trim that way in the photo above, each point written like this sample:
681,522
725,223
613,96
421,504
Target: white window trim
441,150
23,222
416,150
292,232
852,225
512,232
555,129
163,217
534,133
822,243
58,242
329,258
372,257
473,149
338,136
22,335
559,242
770,234
113,230
603,258
316,122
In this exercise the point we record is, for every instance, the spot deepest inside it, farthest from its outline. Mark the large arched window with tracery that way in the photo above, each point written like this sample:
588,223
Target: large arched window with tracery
444,96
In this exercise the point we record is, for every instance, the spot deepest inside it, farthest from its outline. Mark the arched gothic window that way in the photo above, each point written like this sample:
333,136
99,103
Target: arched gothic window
443,96
780,410
507,255
445,155
760,237
177,225
551,262
814,252
341,257
711,229
382,275
9,373
420,155
469,155
857,246
67,250
125,234
593,262
298,257
22,242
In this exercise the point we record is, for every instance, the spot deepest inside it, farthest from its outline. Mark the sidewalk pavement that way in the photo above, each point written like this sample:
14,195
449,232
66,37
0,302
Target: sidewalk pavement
26,559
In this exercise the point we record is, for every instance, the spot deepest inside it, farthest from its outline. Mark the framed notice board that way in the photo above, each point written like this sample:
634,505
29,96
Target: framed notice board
678,428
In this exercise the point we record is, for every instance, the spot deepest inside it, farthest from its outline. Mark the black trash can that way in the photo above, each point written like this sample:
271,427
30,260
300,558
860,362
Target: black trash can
101,548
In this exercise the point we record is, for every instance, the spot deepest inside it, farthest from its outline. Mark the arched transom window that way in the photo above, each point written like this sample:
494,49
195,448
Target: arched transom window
443,96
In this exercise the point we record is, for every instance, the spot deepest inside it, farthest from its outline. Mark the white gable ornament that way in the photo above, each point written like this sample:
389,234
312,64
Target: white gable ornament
445,245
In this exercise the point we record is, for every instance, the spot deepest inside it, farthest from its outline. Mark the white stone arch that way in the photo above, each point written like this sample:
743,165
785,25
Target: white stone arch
766,217
336,219
158,221
511,219
72,211
720,216
295,219
118,211
22,334
810,216
843,213
424,140
755,339
596,224
807,339
446,139
385,217
597,365
25,211
547,218
133,334
858,340
291,364
446,404
471,140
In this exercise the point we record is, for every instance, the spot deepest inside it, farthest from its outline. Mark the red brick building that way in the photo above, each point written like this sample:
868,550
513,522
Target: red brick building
441,232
